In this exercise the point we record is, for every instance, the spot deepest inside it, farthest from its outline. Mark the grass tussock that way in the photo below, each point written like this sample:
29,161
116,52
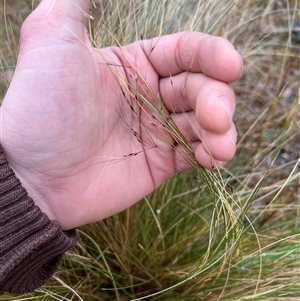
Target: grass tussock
235,238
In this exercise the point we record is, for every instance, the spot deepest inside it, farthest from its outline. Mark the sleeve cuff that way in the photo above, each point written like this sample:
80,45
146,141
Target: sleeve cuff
31,245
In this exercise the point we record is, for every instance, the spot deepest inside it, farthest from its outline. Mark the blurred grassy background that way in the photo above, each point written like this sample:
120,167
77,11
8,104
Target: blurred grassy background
177,244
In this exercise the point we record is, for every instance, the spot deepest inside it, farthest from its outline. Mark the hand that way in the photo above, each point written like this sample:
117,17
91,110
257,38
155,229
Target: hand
80,149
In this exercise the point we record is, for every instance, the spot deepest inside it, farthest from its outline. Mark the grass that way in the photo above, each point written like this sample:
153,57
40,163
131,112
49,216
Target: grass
184,242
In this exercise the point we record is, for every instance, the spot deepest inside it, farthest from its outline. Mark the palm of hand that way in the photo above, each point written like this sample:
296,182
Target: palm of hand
70,134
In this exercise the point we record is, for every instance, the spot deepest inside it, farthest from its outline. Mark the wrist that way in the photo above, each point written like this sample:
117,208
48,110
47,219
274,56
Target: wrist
31,245
31,191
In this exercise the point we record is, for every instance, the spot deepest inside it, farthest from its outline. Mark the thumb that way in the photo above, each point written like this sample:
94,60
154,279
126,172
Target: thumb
64,10
56,19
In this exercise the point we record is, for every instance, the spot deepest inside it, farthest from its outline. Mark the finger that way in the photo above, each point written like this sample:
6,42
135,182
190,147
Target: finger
181,158
221,147
195,52
206,160
188,124
182,161
213,101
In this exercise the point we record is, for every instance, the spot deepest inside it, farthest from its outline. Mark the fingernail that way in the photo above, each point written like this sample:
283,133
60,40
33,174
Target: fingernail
232,135
227,105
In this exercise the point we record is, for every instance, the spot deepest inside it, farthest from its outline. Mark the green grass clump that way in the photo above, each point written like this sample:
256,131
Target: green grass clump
239,240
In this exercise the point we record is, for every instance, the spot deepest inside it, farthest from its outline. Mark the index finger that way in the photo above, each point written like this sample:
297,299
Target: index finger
195,52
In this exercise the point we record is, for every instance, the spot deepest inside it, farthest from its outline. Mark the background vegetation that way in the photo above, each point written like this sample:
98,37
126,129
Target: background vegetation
183,242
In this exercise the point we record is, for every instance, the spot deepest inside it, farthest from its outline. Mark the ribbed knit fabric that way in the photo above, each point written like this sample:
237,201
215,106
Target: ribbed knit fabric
31,245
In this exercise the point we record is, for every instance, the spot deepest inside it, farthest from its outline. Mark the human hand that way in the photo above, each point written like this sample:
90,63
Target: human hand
79,148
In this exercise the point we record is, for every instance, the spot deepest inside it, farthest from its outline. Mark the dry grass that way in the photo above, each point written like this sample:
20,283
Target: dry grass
183,242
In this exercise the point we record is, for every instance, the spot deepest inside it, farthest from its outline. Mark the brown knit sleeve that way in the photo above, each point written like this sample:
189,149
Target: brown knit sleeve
31,245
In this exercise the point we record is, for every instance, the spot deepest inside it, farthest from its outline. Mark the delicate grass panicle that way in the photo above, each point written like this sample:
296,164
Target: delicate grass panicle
231,234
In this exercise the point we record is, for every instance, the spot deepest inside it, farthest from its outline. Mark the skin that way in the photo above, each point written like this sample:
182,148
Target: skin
68,132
